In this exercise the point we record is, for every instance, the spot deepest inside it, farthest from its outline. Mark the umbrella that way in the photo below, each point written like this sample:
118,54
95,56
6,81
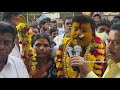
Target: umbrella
41,18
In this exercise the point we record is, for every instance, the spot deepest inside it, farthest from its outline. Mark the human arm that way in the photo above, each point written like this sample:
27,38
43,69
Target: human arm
84,68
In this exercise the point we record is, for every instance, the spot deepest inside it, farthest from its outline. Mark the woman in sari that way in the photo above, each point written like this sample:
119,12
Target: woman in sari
45,67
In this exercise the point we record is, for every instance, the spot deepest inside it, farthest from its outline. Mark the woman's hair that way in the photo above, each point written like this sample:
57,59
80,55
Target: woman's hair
45,36
37,36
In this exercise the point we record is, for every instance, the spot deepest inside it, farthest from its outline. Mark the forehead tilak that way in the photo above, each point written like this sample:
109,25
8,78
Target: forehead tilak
80,25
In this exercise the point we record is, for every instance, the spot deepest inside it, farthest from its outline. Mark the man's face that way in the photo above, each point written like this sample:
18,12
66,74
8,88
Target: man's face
113,46
13,20
81,34
103,28
6,45
54,34
96,18
46,25
34,30
68,24
42,48
54,25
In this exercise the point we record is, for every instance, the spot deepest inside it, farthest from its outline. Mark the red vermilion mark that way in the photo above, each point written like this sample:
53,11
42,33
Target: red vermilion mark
80,25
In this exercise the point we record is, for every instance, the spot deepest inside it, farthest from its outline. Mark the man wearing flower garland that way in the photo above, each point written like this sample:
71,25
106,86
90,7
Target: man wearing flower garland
93,48
113,54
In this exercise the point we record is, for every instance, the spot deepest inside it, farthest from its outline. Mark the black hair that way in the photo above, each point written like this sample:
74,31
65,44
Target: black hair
6,27
8,15
115,19
85,19
53,30
115,26
42,22
35,26
94,15
48,19
104,22
52,42
117,16
37,36
53,21
67,18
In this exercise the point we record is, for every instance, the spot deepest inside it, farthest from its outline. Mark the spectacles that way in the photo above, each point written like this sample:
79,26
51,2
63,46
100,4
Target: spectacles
6,43
114,42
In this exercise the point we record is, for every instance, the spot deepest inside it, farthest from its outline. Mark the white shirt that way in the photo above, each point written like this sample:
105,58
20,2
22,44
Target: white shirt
58,39
14,68
15,52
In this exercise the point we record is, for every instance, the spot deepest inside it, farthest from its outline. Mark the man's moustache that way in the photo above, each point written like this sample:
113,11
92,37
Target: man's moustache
79,37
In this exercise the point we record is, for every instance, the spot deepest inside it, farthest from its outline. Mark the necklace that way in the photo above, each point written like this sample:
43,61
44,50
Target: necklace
94,52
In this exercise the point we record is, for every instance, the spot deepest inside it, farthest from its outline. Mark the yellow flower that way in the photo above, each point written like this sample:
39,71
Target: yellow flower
55,59
101,45
98,66
21,26
102,51
59,65
60,73
98,72
34,59
91,57
72,73
65,39
101,58
91,65
32,72
58,52
67,60
94,44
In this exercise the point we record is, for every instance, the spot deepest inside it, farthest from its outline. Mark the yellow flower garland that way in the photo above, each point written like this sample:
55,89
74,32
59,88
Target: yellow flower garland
29,55
94,52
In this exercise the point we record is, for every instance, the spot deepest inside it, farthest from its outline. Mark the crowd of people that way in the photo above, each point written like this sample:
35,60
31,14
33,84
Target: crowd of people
75,47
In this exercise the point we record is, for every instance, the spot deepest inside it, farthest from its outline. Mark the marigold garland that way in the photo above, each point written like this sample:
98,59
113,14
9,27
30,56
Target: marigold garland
94,52
29,54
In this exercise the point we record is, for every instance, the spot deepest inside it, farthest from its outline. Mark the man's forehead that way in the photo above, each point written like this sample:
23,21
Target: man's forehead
6,36
81,25
68,20
114,33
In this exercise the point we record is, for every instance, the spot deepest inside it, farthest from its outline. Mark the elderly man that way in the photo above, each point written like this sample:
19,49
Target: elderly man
113,55
10,66
84,43
12,18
